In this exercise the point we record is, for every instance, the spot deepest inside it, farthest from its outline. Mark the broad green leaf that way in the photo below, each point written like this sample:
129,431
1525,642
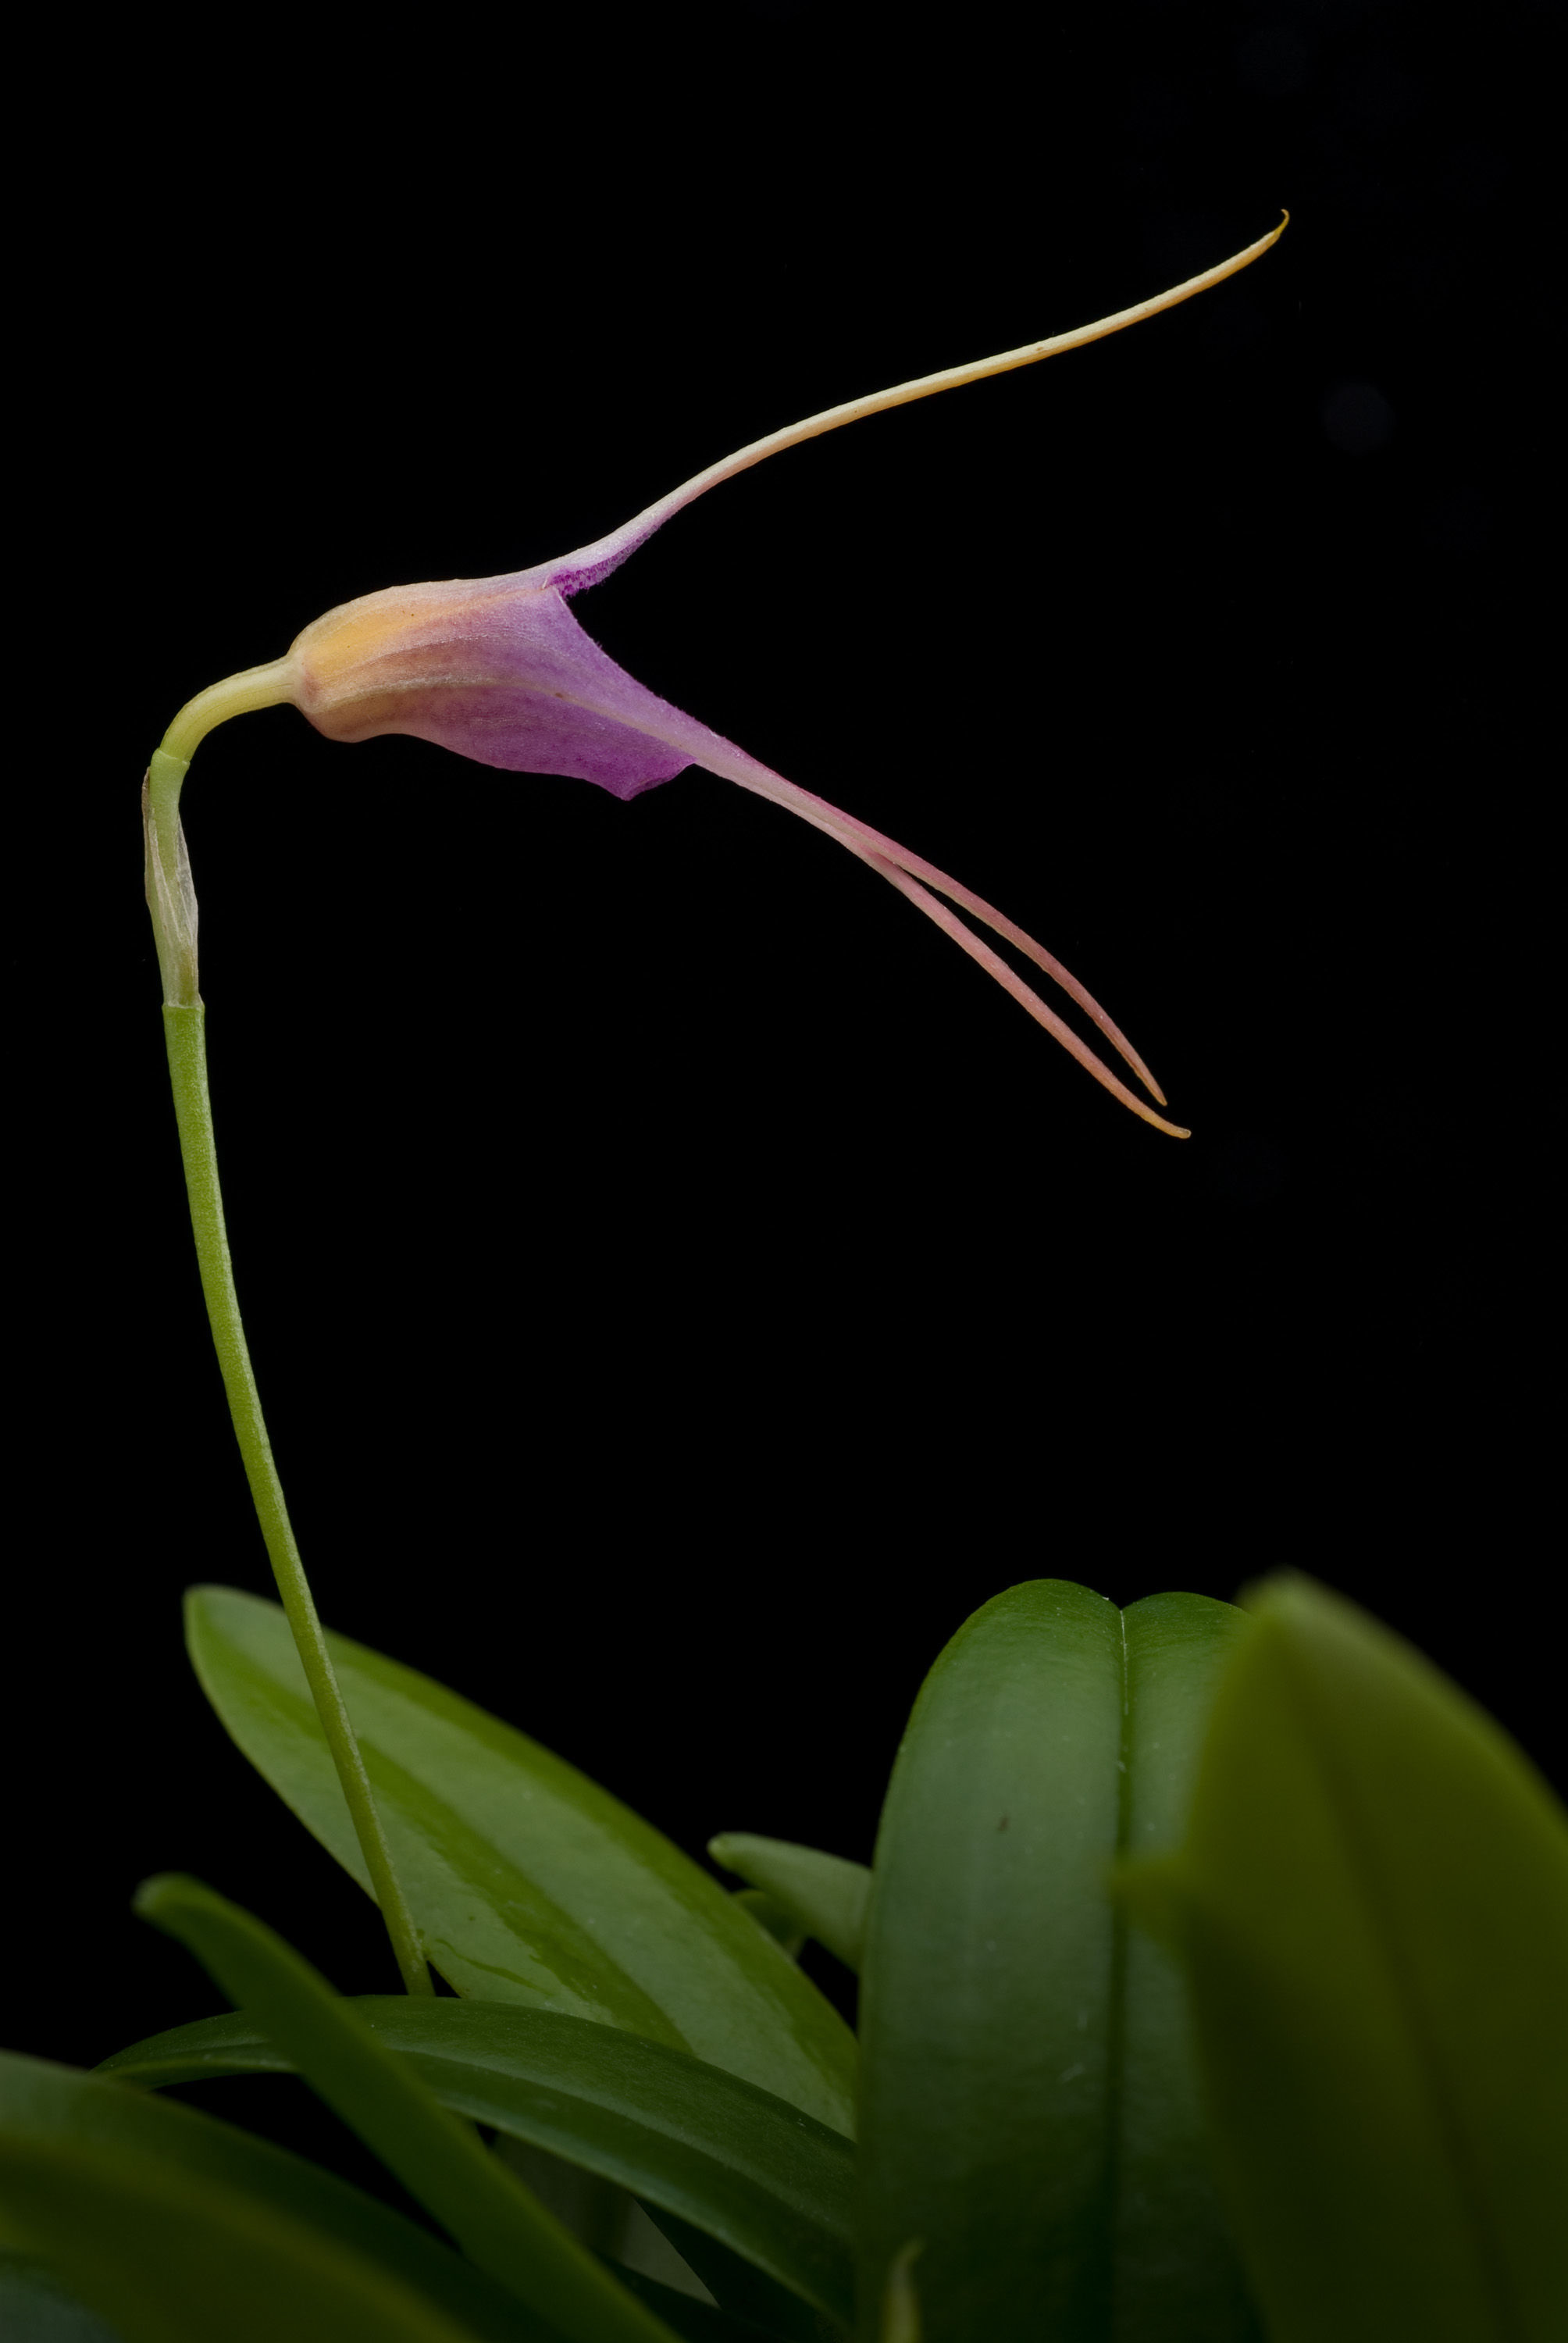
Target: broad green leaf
528,1883
1371,1902
1030,2118
688,2139
1175,2268
175,2229
498,2223
34,2308
826,1893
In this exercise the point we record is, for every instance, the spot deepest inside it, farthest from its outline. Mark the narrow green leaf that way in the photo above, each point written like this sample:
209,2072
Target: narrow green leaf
528,1883
745,2168
175,2229
1029,2117
1372,1905
826,1893
498,2224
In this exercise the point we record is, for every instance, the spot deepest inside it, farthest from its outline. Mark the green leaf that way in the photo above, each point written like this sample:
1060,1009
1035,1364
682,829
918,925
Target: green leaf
900,2299
690,2140
34,2308
498,2223
769,1913
1372,1905
1029,2117
178,2229
1174,2268
694,2322
528,1883
607,2218
826,1893
743,2290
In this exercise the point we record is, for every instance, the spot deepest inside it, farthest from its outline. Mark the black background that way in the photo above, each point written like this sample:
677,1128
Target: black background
681,1285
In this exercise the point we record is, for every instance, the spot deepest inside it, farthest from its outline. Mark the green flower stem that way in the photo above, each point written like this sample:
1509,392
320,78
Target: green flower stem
184,1031
257,687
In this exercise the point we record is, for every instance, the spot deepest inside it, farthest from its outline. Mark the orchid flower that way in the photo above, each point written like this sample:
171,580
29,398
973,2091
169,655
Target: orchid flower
500,670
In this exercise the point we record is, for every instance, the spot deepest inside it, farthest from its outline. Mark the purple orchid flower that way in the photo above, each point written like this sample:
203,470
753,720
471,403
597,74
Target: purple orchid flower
498,670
